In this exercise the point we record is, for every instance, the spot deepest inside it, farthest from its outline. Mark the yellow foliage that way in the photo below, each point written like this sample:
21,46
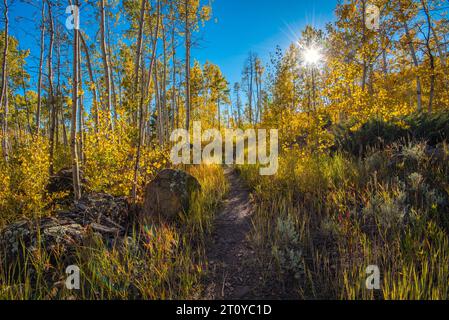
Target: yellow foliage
110,161
23,181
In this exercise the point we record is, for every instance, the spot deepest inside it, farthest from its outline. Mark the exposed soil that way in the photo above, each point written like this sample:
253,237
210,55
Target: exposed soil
233,269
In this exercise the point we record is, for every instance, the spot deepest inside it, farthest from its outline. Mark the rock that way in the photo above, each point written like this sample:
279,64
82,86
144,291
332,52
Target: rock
52,235
63,182
168,195
99,214
103,209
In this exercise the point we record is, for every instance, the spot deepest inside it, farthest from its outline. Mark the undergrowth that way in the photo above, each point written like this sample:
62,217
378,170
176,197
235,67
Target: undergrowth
326,217
158,261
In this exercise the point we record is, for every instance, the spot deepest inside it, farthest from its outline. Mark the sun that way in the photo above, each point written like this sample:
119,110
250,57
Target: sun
312,56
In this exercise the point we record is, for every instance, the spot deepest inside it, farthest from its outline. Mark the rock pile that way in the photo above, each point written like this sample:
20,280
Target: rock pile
99,214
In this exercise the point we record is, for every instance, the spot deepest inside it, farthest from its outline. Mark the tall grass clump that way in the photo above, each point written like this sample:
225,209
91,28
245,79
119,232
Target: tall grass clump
345,211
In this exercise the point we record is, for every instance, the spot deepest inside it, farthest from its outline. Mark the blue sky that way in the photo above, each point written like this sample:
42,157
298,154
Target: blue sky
237,27
242,26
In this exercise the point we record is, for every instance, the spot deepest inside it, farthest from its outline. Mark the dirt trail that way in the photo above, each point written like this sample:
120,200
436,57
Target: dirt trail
232,271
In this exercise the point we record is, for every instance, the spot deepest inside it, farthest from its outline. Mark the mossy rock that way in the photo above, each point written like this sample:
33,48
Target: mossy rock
169,195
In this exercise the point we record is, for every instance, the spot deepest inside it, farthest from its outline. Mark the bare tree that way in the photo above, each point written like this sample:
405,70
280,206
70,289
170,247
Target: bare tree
258,80
92,80
248,80
158,102
41,62
73,143
427,39
238,103
51,96
414,56
105,58
27,104
187,75
4,93
141,120
164,111
174,107
81,106
139,51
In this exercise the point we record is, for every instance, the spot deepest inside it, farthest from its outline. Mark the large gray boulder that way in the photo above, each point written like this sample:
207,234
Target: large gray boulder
169,195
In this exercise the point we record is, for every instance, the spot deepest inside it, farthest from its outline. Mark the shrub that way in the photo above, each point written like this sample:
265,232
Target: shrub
433,128
24,179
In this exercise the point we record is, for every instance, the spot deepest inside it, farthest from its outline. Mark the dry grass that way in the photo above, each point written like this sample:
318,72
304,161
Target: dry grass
155,262
343,214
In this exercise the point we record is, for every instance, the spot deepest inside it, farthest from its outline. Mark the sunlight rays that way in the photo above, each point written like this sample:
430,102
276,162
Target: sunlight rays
312,56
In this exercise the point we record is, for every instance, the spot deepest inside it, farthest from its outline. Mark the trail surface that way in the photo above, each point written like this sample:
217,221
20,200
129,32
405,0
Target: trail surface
232,270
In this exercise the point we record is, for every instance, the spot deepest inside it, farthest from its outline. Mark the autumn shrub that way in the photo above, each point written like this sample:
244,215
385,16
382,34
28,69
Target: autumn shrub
23,181
378,133
110,161
61,157
5,192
